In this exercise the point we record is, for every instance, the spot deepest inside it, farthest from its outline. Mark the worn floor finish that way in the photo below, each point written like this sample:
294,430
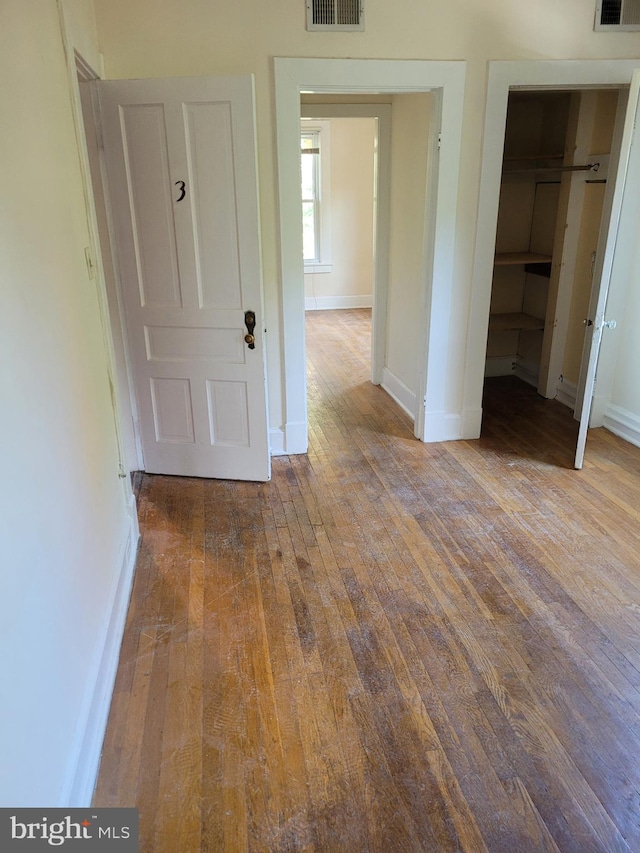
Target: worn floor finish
392,646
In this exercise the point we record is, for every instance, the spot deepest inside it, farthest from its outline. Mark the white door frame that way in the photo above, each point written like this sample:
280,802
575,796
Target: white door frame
382,212
106,263
355,76
85,64
504,76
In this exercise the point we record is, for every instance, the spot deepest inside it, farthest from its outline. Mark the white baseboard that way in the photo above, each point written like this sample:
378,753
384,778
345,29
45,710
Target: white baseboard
296,439
442,426
599,407
276,442
452,427
289,440
512,365
528,371
328,303
623,423
471,423
85,759
566,393
438,426
396,389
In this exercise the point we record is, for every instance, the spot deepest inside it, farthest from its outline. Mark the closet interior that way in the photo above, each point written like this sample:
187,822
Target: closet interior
551,202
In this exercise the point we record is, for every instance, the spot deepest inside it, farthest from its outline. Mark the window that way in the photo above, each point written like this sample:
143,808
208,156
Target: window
314,167
310,167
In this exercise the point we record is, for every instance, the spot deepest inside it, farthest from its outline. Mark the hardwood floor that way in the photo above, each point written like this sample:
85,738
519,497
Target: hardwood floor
391,646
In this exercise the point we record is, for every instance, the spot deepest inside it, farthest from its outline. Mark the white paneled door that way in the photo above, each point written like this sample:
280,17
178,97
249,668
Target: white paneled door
619,249
182,177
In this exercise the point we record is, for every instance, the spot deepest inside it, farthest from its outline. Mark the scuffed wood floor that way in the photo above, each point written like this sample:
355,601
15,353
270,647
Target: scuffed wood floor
392,646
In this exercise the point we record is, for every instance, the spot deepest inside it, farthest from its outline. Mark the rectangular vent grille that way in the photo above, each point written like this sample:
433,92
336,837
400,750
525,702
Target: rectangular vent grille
335,15
618,15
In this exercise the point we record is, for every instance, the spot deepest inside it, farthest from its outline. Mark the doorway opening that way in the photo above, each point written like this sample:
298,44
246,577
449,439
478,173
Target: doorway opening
339,166
375,228
555,195
354,78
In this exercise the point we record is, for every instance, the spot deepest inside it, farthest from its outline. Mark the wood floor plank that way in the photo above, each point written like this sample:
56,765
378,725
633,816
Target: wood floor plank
391,646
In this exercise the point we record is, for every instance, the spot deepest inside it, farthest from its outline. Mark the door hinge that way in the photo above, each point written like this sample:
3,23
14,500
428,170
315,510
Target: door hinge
121,472
97,118
439,141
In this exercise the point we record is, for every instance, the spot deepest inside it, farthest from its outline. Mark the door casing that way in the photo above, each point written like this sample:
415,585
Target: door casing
503,77
353,76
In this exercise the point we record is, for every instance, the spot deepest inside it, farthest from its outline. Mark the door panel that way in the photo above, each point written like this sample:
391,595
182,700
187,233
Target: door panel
172,410
214,209
146,164
615,254
228,413
182,179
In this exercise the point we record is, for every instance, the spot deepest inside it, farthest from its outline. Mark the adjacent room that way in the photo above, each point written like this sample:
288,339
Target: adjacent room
320,526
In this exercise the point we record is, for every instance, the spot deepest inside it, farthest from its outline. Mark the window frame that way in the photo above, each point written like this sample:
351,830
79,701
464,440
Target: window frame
322,132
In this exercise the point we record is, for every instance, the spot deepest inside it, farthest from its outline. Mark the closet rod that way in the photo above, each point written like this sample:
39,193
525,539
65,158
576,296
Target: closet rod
590,167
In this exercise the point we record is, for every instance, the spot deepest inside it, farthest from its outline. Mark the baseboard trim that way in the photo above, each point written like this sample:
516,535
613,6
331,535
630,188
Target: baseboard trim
328,303
599,406
276,442
567,393
528,371
295,438
452,427
398,391
442,426
290,440
85,760
622,423
470,423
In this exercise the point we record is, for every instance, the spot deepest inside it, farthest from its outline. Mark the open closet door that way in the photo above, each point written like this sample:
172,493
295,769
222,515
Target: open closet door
613,260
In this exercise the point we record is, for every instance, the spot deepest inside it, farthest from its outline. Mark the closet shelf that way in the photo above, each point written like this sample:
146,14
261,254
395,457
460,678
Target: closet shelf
512,258
514,322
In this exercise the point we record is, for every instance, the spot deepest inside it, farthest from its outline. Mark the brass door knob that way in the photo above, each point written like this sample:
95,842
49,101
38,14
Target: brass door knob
250,323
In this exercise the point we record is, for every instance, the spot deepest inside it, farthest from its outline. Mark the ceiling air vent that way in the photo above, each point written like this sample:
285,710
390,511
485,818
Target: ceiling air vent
345,15
617,15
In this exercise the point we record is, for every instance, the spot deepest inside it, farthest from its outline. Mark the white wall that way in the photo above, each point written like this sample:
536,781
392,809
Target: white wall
121,373
626,388
410,117
64,523
618,370
154,38
349,283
